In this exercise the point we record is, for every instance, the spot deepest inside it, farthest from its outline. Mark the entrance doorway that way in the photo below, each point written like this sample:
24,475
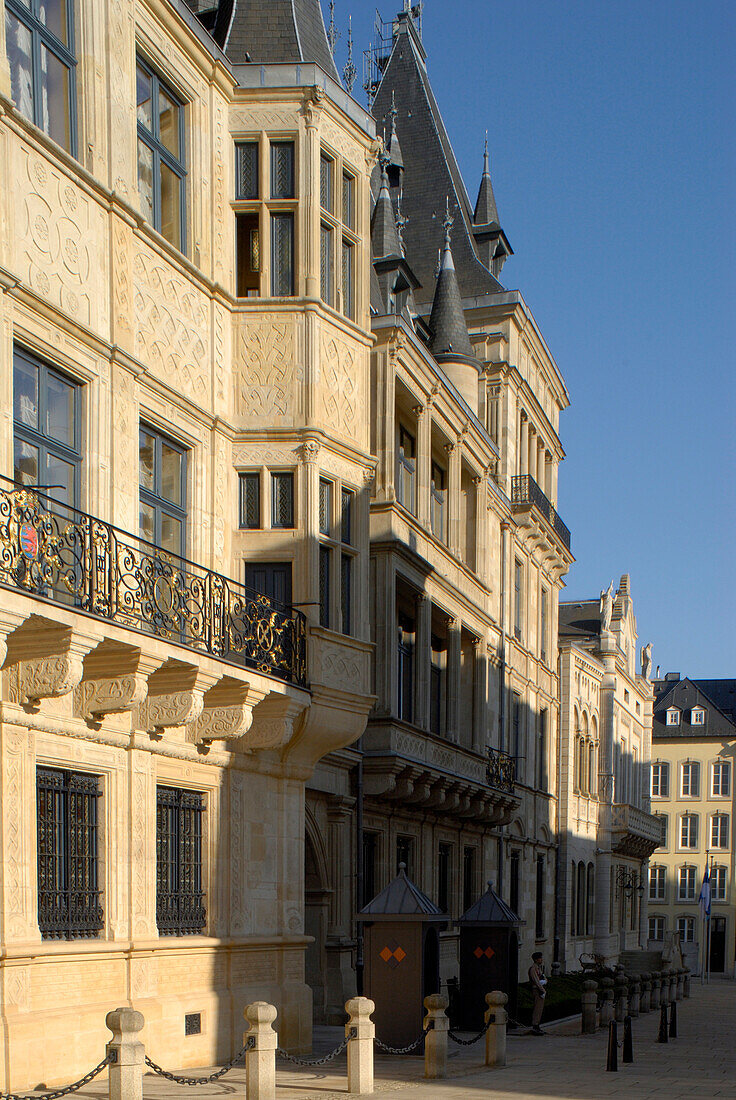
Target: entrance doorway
717,945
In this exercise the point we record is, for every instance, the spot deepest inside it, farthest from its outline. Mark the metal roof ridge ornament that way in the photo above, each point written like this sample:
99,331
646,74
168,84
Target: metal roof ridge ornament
448,222
333,34
349,73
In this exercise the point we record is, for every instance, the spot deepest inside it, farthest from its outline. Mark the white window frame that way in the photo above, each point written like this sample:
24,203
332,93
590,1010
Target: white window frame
673,716
719,874
687,895
658,923
693,769
724,771
719,818
688,832
697,716
659,769
657,883
689,923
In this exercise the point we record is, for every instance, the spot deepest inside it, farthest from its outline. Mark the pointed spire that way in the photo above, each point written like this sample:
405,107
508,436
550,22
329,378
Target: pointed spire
333,34
349,73
396,159
384,237
447,320
485,207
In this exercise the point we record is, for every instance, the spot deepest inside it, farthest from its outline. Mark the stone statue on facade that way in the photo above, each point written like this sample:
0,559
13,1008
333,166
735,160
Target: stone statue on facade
646,660
606,607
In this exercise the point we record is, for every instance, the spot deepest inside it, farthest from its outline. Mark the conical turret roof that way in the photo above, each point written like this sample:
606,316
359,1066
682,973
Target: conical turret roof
447,320
490,909
486,212
384,237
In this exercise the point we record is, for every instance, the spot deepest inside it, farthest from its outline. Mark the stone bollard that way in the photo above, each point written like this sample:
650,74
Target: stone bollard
436,1025
673,986
622,1000
360,1044
589,1001
644,995
680,982
654,995
125,1075
260,1059
607,1008
634,996
664,997
686,983
496,1017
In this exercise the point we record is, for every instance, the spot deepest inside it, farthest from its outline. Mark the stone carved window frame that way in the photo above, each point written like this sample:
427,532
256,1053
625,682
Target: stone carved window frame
343,233
331,542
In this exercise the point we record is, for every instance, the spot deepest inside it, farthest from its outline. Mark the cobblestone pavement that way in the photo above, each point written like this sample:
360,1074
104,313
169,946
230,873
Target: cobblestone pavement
561,1065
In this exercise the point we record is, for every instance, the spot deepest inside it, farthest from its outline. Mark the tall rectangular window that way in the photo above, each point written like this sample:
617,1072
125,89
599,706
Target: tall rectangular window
444,871
46,428
406,471
326,235
686,884
161,156
721,785
516,746
660,780
543,622
406,669
437,685
539,908
39,37
282,170
469,876
690,783
250,500
282,500
348,200
282,255
686,929
689,831
657,883
326,165
246,170
514,868
518,598
347,498
542,750
325,555
437,496
163,489
325,507
180,909
69,894
248,259
348,289
346,592
718,883
719,831
656,928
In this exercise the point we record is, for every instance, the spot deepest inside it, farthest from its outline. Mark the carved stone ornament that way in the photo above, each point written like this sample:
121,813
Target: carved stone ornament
113,695
312,105
226,723
162,712
310,451
49,677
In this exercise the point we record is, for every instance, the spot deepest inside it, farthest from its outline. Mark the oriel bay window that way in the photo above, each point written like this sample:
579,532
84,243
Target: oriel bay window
338,240
69,891
180,909
337,555
39,37
161,156
265,194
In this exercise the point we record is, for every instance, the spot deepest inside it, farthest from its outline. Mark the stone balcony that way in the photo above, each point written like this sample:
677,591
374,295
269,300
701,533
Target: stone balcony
634,832
402,764
527,498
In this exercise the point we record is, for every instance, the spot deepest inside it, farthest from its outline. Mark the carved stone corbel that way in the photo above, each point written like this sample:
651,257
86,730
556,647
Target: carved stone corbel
111,695
227,713
273,722
48,659
161,712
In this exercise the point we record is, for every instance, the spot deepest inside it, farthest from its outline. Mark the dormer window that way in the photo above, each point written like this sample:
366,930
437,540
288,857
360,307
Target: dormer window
697,716
673,716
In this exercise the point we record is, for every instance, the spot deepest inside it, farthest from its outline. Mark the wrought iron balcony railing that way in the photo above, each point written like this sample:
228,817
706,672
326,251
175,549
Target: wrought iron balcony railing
501,770
51,550
524,490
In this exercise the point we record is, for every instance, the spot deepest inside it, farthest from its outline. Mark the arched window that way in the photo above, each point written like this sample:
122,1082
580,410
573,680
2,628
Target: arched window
576,753
590,912
581,898
592,773
583,779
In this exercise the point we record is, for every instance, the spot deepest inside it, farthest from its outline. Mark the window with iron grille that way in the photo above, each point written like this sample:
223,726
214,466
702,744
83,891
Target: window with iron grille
246,161
69,894
250,500
282,169
282,500
180,909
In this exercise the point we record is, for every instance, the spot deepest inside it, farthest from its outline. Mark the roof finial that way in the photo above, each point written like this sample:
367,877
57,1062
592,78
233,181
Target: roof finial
394,110
486,165
333,33
448,221
349,73
401,221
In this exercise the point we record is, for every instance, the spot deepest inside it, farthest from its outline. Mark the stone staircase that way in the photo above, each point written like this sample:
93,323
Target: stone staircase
639,962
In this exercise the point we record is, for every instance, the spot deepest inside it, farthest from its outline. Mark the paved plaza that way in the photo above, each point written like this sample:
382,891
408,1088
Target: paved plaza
561,1065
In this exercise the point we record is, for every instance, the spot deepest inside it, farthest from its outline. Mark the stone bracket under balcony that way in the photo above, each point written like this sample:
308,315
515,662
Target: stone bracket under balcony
45,659
436,776
634,832
534,511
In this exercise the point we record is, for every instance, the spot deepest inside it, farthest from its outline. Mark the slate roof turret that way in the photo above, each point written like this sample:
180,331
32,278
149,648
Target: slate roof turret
447,320
272,32
384,238
486,212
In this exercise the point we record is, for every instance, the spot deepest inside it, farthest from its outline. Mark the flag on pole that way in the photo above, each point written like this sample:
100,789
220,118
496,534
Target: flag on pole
704,897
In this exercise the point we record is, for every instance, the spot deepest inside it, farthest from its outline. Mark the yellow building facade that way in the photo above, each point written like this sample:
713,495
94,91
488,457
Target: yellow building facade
184,353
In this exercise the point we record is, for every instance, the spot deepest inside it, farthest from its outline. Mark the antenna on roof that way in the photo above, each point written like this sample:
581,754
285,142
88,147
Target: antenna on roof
349,73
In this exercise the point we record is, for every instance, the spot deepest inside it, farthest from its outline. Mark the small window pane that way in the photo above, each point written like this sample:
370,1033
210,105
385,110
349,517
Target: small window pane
25,393
25,466
248,255
171,534
283,500
59,409
146,445
347,280
60,475
324,586
347,516
170,206
282,255
282,170
168,121
246,186
144,98
147,522
145,180
348,184
325,259
346,588
18,39
250,501
53,93
54,15
325,182
171,467
325,506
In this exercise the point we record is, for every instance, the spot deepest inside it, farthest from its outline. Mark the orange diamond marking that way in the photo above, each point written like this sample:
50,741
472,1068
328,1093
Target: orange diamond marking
478,952
386,954
399,954
489,952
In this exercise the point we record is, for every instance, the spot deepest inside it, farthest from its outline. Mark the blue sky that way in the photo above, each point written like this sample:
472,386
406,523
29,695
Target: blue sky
611,130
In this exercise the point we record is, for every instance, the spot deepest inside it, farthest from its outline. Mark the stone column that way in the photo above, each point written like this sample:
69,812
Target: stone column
481,527
339,975
480,700
454,540
436,1025
423,660
541,469
589,1007
311,173
453,679
523,444
310,580
361,1032
260,1060
553,483
125,1074
496,1017
532,452
424,462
